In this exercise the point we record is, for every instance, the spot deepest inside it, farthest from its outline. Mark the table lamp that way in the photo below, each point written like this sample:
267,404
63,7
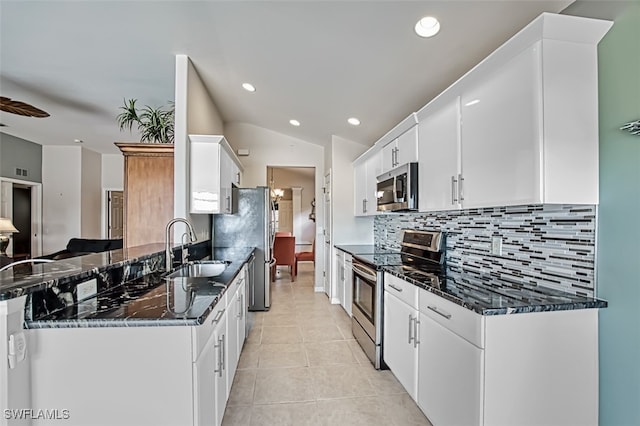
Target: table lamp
6,227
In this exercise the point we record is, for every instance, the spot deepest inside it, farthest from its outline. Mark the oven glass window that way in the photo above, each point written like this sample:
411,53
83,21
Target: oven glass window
364,296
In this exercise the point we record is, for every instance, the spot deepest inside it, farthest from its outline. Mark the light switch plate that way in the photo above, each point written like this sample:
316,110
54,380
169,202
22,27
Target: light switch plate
496,246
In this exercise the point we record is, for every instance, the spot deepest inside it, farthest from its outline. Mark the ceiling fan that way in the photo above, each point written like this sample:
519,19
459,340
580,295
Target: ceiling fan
21,108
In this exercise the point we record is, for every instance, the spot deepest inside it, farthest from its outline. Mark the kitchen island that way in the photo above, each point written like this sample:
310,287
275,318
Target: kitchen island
105,334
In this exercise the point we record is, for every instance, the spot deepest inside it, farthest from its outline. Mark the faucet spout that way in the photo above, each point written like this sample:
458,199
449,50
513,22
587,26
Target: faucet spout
167,245
11,265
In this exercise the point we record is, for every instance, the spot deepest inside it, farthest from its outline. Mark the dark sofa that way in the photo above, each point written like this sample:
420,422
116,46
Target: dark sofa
81,246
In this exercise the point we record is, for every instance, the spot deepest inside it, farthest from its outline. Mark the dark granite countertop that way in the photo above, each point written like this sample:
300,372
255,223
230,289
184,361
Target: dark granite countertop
29,278
355,249
487,294
150,300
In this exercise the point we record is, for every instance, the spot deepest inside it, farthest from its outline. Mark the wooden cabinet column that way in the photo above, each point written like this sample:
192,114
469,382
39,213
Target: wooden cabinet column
148,191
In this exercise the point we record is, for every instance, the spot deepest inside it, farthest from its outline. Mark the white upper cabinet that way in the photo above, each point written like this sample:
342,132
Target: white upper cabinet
365,171
439,157
214,170
401,150
407,147
500,132
519,128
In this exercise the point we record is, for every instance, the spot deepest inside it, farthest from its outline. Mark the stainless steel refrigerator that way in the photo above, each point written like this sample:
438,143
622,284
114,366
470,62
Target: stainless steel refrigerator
251,226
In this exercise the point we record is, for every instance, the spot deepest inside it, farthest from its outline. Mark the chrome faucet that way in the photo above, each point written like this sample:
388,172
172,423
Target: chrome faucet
11,265
167,247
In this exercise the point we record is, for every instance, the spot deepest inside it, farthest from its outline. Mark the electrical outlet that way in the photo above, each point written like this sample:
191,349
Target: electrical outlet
496,245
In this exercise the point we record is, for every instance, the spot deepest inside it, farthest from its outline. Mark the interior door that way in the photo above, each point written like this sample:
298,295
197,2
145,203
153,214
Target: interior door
115,225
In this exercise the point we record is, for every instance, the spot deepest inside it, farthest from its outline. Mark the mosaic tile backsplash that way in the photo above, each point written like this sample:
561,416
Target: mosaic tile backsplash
547,245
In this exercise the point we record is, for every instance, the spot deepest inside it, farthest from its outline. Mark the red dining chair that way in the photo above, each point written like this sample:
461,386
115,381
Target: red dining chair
306,256
284,252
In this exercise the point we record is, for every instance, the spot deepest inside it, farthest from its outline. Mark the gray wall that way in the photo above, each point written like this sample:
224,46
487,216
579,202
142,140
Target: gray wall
16,153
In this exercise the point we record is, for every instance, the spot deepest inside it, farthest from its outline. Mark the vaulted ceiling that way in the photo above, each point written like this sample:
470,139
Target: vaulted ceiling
319,62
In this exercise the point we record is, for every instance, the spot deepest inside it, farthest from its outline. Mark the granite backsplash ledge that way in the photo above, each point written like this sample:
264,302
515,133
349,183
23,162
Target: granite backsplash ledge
547,245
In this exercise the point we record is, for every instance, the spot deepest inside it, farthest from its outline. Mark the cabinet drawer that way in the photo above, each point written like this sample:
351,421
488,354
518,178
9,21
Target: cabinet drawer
402,289
461,321
202,332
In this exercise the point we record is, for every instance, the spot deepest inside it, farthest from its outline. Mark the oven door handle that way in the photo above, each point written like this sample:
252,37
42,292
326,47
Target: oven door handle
364,272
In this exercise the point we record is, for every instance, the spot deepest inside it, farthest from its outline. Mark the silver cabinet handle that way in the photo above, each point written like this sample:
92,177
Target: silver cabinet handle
416,330
239,300
454,184
224,362
219,369
238,180
435,309
217,317
395,288
460,180
228,203
410,321
364,205
242,306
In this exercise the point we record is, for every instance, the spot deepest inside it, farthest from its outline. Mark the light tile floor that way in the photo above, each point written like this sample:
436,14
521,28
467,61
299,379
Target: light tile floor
301,366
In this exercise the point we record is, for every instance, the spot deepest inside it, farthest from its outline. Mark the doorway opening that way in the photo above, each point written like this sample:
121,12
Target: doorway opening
22,221
21,201
293,194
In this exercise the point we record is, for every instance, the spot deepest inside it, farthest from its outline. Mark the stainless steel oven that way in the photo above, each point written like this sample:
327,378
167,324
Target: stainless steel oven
367,311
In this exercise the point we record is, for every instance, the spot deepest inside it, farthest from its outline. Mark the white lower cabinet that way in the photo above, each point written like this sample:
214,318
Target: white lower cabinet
400,349
449,373
348,283
236,318
205,384
220,343
463,368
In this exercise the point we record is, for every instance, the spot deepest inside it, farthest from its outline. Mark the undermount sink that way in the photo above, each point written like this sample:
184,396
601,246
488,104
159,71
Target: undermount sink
201,268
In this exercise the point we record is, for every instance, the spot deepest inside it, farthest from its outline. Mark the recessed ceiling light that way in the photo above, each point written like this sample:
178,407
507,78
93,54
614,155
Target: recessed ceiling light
473,102
294,122
78,141
427,26
353,121
248,87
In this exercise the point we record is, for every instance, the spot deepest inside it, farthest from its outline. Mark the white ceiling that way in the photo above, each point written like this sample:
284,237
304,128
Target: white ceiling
319,62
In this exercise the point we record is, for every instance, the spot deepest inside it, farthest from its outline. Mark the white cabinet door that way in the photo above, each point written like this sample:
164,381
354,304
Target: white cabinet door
359,188
220,370
205,385
407,147
233,339
449,376
389,153
374,169
399,348
501,141
439,164
226,177
339,276
348,283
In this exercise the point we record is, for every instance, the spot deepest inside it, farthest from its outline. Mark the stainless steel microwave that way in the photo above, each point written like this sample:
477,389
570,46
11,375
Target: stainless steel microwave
397,190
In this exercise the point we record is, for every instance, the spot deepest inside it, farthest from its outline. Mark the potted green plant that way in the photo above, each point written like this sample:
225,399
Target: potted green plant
155,124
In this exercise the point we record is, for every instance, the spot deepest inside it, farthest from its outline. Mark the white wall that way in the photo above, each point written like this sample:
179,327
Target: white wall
61,204
269,148
113,172
347,229
90,194
196,113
